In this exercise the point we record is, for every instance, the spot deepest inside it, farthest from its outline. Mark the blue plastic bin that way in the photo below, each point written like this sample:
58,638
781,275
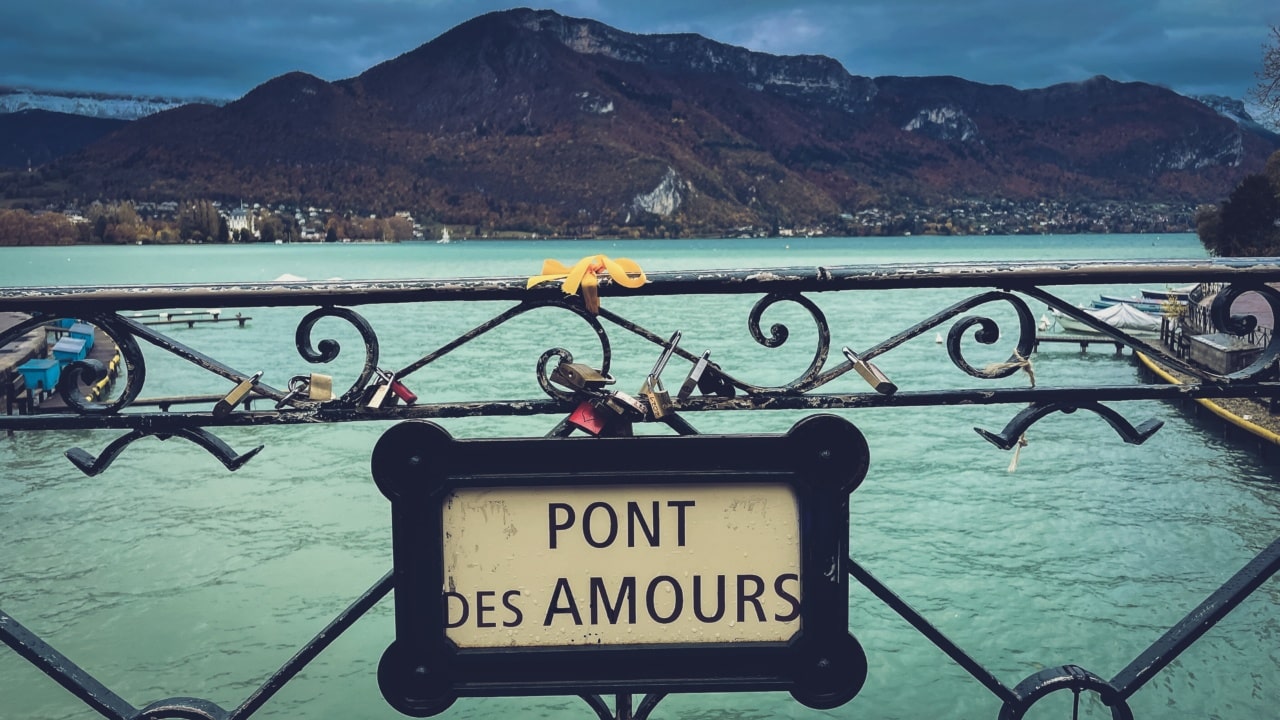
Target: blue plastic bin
69,349
42,373
83,331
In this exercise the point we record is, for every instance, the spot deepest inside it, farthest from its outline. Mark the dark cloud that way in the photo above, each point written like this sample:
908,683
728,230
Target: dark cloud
224,49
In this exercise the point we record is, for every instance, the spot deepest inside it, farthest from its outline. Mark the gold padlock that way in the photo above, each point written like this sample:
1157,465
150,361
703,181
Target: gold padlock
320,388
577,376
657,396
872,374
237,394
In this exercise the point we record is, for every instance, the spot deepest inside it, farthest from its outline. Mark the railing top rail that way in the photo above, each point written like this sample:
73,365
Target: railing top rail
1010,275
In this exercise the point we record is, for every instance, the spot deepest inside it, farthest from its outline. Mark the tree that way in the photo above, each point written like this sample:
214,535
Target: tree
1246,224
331,235
198,220
1267,92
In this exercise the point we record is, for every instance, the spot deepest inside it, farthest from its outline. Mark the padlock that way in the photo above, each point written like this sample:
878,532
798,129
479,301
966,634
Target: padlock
237,394
579,377
319,388
589,417
378,397
872,374
625,406
396,387
714,382
691,382
297,387
657,397
316,388
667,351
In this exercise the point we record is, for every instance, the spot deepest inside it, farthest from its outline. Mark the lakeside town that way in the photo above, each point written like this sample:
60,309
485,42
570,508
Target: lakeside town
202,221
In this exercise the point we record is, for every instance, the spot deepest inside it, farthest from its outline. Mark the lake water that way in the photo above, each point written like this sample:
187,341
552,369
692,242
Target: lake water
169,576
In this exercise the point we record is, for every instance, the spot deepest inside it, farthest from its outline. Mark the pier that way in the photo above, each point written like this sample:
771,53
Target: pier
190,318
1078,339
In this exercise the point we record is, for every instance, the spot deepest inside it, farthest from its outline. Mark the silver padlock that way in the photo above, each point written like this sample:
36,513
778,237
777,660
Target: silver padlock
655,395
624,405
379,396
691,382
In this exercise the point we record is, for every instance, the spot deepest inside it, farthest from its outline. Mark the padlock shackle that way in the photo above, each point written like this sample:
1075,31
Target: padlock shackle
667,351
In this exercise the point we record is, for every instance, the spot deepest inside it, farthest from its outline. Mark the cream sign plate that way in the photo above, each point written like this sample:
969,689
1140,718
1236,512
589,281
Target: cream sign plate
641,564
655,564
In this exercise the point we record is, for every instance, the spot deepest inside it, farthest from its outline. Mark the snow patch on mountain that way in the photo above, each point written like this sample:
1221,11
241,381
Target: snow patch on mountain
1234,109
99,105
1196,153
594,103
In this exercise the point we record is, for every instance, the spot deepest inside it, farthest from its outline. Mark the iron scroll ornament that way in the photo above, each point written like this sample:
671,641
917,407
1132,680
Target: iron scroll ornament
1264,366
422,470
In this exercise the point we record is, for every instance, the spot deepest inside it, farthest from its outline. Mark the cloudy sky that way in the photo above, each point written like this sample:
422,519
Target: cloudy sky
222,49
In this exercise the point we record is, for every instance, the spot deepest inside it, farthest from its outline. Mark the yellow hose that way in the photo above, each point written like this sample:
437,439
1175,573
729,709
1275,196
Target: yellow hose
96,390
1212,406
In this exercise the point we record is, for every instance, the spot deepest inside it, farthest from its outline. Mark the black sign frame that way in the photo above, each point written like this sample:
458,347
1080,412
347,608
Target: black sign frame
417,464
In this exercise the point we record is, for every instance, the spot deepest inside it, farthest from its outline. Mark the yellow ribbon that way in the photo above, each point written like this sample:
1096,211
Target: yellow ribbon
584,276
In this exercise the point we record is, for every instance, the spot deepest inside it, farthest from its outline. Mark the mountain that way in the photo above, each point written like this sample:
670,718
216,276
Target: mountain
97,105
1235,109
34,137
529,120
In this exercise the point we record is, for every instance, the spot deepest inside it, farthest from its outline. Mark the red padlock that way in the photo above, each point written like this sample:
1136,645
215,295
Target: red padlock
587,417
403,392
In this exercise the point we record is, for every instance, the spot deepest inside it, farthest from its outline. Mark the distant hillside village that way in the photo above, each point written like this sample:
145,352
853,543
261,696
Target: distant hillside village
207,221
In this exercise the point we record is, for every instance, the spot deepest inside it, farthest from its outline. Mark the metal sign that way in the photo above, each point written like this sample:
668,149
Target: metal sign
636,564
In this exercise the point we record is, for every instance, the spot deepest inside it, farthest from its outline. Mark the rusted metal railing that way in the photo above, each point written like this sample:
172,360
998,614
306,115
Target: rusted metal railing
578,398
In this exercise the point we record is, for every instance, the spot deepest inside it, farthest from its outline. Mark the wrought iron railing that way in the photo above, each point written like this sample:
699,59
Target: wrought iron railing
577,398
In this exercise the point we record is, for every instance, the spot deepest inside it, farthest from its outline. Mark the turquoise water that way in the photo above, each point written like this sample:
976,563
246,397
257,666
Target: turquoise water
168,576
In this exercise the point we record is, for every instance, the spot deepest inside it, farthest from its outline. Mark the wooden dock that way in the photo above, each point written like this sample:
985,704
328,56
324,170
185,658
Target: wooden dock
14,396
1078,339
190,318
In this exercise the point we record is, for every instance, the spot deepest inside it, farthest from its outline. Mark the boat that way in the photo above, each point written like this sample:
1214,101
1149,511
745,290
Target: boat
1181,294
444,237
1120,316
1106,301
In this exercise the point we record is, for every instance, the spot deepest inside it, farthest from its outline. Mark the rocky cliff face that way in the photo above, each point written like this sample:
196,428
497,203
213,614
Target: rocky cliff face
1235,109
811,77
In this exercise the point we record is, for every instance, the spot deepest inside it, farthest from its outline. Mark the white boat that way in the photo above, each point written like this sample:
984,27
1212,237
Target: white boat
444,237
1121,316
1181,294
